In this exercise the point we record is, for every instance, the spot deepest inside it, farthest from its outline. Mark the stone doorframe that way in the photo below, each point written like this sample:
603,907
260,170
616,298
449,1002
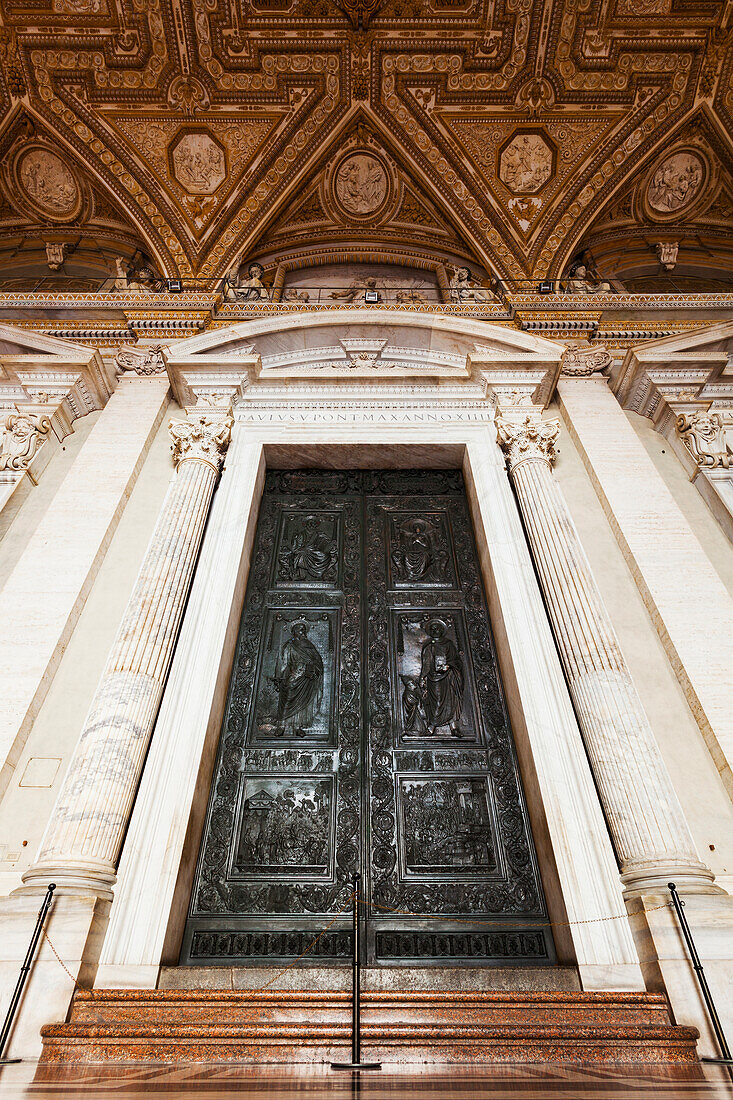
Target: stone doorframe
579,871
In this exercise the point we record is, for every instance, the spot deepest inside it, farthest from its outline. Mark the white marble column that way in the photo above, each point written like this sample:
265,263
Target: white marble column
650,835
82,843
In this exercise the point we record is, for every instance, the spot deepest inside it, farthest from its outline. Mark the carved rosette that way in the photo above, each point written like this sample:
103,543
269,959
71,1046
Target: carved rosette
204,438
703,433
531,438
580,362
23,435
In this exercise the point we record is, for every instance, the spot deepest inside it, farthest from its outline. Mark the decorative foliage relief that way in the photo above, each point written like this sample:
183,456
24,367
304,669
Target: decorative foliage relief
365,585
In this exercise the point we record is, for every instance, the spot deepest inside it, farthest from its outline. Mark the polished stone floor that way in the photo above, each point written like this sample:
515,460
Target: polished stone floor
190,1081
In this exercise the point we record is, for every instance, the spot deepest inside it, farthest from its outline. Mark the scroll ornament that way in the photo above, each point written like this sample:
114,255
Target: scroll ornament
703,434
143,361
205,438
23,435
581,362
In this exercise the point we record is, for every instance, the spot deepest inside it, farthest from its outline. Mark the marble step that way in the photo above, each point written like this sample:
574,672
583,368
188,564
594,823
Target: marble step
398,1027
200,1007
468,978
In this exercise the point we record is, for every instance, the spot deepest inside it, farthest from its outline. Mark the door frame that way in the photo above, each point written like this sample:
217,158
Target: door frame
577,866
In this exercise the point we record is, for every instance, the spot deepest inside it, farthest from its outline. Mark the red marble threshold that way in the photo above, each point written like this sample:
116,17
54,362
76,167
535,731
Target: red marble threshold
399,1027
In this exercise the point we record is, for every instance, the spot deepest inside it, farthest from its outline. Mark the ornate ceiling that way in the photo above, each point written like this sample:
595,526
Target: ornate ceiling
510,133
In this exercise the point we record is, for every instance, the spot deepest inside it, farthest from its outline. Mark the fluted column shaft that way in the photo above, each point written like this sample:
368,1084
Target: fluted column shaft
652,840
83,840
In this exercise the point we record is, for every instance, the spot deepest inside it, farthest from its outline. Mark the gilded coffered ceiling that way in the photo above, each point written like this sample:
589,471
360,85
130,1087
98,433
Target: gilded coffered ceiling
510,133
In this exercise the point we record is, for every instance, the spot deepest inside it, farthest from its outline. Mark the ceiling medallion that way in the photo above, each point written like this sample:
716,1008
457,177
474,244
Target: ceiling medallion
525,163
48,184
198,162
361,185
675,182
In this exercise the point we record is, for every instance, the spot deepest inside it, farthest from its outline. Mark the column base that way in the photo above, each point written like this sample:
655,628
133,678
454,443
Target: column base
72,878
667,966
640,877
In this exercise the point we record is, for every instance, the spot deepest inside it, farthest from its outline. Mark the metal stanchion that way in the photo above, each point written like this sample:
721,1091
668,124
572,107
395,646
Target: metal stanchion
356,1062
707,996
24,972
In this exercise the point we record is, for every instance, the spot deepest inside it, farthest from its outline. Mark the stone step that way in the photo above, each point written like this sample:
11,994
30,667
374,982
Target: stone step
469,978
398,1027
227,1007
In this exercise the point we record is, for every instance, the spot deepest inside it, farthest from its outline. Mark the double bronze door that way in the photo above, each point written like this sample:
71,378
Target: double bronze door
365,730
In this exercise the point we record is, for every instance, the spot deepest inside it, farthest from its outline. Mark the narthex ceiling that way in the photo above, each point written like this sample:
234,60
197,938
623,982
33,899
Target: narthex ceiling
512,132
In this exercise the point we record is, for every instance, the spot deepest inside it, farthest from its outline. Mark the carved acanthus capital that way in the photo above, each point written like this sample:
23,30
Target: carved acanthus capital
581,362
141,360
703,434
203,437
22,436
530,438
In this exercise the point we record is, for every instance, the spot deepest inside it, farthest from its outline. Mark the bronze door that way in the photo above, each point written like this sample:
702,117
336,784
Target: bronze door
365,729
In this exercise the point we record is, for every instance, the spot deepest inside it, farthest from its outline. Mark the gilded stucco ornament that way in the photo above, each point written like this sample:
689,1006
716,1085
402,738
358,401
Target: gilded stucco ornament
530,438
23,435
203,437
581,362
703,433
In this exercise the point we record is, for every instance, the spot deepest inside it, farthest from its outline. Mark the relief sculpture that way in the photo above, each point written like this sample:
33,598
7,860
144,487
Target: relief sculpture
285,826
419,553
308,550
432,672
299,683
447,825
675,183
295,685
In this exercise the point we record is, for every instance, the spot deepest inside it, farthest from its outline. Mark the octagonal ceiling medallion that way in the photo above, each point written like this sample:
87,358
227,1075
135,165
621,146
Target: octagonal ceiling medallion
198,162
525,163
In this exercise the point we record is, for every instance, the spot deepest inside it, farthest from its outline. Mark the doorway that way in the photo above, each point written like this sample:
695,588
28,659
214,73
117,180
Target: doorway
366,730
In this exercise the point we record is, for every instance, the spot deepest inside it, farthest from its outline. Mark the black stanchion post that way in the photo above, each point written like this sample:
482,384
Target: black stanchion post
24,972
707,996
356,1062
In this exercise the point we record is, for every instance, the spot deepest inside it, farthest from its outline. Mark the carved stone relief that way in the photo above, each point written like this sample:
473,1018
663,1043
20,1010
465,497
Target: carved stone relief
199,163
48,183
361,184
22,436
142,361
675,183
525,164
703,433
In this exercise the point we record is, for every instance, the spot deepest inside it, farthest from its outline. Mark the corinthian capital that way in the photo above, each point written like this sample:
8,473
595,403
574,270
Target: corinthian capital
202,437
22,436
529,438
